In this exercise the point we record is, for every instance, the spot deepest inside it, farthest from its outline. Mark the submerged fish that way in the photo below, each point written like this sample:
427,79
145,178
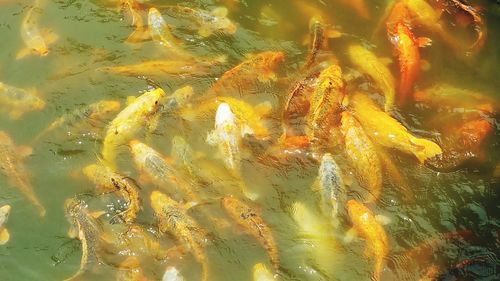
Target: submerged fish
36,41
254,224
319,34
140,32
374,67
92,114
160,170
4,216
209,22
11,165
161,33
388,132
18,101
326,103
129,122
86,228
331,187
227,137
249,117
107,180
365,224
241,78
160,68
172,218
362,155
406,47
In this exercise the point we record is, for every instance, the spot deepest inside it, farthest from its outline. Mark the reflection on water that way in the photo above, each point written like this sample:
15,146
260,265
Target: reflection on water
262,162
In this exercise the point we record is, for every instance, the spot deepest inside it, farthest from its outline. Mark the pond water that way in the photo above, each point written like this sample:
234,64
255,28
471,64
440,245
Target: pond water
441,222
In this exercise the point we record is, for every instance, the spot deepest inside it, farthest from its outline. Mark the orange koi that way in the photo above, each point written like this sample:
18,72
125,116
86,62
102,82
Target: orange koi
406,47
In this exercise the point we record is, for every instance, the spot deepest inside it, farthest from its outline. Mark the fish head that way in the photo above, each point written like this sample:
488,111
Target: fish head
73,207
139,150
157,97
156,21
224,115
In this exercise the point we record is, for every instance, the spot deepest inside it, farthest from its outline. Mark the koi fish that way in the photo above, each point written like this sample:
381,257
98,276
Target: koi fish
331,187
319,34
388,132
316,234
159,170
209,22
107,180
4,216
241,78
92,114
159,68
129,122
325,103
85,227
261,273
248,117
11,165
227,137
253,224
35,40
406,47
373,66
160,32
140,32
362,155
172,218
18,101
365,224
448,96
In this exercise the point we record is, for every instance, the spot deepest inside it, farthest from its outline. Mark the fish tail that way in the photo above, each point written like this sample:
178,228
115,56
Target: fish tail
30,194
425,149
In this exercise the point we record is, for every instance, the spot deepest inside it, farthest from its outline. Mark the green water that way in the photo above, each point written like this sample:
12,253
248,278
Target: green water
91,35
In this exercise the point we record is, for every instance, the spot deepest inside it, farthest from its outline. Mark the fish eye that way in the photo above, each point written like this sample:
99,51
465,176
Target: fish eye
156,102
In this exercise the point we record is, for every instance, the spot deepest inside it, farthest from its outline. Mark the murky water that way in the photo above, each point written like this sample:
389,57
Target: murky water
452,223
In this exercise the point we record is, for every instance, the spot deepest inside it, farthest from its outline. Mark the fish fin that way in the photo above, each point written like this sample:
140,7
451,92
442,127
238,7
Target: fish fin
139,35
332,33
130,99
383,220
385,60
350,235
425,65
4,236
24,52
220,12
204,31
15,114
24,151
49,36
97,214
423,42
72,232
263,108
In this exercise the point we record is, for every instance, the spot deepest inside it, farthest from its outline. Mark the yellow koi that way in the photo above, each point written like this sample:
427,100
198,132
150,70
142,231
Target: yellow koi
160,170
365,224
11,165
388,132
36,41
160,32
254,224
4,216
18,101
325,103
373,66
362,155
107,180
129,122
172,218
